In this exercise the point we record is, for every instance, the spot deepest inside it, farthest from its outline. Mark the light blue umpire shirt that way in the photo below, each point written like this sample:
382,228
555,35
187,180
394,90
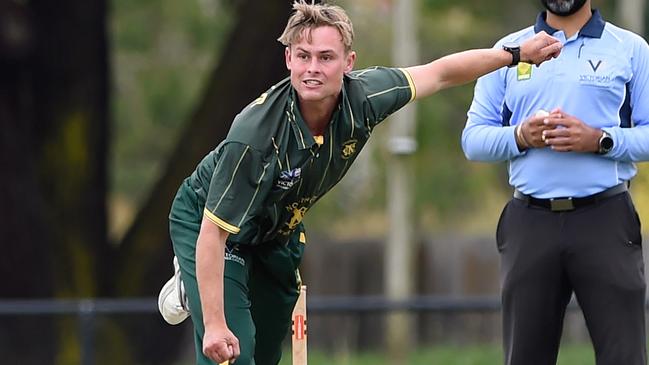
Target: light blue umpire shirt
601,77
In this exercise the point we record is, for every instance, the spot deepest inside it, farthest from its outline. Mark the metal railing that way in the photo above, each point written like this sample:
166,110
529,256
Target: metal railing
87,310
351,304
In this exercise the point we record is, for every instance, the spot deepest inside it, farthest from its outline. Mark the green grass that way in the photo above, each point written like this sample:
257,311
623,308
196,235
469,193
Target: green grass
570,354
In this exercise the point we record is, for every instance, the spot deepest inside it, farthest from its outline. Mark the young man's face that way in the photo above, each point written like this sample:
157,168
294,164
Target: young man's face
317,68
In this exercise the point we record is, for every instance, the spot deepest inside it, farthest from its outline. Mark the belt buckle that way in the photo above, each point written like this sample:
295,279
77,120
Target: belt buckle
561,204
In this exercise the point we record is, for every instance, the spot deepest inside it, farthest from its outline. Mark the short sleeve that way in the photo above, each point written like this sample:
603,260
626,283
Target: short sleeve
386,90
236,191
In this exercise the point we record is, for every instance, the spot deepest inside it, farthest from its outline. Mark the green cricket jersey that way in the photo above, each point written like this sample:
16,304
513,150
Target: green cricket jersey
261,180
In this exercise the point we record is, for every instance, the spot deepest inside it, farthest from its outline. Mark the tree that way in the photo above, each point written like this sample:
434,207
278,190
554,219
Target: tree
54,72
252,61
54,115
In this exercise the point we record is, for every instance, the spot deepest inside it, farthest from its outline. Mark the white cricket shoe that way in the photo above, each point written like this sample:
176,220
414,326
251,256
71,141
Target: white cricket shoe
172,300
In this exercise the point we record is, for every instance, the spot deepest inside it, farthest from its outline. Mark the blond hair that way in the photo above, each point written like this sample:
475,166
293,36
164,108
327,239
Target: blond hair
310,16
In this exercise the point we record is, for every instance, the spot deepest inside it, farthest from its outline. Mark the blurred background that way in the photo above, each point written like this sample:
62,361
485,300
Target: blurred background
107,105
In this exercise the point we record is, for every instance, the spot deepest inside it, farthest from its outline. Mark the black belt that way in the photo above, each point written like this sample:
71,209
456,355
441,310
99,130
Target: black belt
569,203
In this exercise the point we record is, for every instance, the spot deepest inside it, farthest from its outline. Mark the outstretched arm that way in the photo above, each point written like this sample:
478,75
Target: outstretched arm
219,344
460,68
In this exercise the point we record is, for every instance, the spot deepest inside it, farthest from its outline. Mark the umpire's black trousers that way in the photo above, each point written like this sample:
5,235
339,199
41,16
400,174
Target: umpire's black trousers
594,251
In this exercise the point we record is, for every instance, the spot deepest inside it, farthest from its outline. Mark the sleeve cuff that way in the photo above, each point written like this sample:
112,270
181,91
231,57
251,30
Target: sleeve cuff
411,83
517,152
616,139
220,222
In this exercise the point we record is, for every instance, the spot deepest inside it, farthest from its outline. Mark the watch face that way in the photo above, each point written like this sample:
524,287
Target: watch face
607,143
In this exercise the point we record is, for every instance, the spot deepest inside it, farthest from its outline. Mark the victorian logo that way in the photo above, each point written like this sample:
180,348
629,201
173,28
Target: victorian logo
288,178
595,66
595,78
349,148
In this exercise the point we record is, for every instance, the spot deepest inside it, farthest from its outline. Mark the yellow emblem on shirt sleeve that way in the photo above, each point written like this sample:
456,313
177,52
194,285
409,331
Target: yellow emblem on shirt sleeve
524,71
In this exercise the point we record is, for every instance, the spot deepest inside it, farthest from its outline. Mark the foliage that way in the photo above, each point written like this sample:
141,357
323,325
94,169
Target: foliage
447,186
450,193
164,50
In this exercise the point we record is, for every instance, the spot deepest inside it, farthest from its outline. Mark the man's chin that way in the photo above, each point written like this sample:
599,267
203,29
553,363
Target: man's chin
310,95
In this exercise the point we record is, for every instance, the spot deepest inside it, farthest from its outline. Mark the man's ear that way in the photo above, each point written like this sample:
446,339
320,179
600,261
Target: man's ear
351,58
287,57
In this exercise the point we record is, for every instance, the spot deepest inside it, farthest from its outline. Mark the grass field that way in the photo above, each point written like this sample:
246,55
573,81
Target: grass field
570,354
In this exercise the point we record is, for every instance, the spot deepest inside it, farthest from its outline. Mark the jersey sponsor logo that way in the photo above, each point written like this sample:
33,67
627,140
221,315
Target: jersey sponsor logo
349,149
231,255
288,178
523,71
595,79
595,66
598,76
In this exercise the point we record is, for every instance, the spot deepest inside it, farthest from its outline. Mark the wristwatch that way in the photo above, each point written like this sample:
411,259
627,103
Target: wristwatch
605,143
515,50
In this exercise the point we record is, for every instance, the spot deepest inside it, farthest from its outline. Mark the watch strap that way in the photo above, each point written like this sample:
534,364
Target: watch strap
515,50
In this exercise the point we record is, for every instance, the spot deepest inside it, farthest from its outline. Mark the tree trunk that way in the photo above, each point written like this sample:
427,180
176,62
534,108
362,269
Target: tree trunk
53,115
252,61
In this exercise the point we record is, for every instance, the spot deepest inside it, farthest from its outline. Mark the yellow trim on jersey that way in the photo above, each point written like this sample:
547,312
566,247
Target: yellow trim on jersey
331,153
220,222
302,238
319,139
413,90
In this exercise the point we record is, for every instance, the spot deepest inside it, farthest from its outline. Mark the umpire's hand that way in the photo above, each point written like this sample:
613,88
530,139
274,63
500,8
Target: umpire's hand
566,133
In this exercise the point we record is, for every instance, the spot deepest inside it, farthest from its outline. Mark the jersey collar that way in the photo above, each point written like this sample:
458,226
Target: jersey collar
593,28
301,131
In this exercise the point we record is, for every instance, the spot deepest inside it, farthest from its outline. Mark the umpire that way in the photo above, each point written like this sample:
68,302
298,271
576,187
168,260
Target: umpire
571,227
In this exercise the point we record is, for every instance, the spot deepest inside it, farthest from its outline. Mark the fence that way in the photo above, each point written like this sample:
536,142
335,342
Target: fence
87,310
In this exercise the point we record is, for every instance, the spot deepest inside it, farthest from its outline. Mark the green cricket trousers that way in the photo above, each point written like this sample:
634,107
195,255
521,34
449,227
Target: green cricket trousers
260,285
